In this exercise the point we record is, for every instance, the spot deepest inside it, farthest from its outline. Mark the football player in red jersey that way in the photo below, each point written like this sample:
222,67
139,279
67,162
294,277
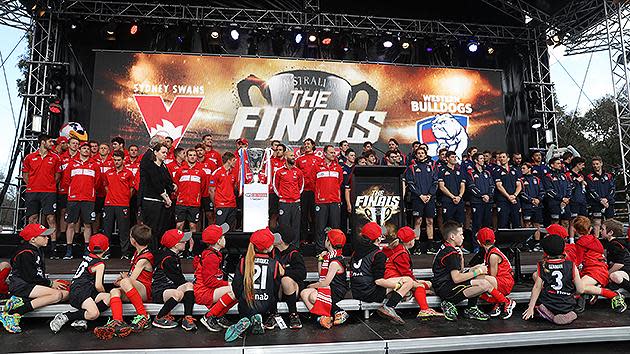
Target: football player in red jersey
207,165
209,152
104,159
191,181
288,183
222,186
62,189
277,162
328,180
118,183
308,162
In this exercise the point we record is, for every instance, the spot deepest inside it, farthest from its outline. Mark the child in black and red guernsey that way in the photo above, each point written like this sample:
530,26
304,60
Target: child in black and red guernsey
292,282
398,269
367,274
133,286
500,275
211,288
256,285
27,282
87,292
169,285
451,283
617,255
556,284
321,298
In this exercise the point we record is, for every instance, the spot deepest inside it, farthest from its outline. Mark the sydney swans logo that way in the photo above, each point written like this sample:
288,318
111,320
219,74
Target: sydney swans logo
377,206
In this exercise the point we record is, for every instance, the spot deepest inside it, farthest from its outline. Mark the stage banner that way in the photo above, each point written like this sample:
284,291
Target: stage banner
137,95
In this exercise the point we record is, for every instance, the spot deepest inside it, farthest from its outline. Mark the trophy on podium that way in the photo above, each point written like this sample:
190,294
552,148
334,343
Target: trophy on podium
255,193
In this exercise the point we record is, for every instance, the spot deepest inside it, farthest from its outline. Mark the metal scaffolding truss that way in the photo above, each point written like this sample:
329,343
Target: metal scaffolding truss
104,11
13,14
519,10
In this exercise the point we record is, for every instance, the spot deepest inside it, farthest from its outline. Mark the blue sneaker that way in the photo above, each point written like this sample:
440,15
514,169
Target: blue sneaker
236,330
11,323
13,303
257,324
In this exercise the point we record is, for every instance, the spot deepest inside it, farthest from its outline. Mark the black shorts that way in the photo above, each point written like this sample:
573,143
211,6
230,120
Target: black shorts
597,211
186,213
46,202
452,292
557,213
84,209
207,204
377,295
274,204
157,295
578,209
20,288
421,209
534,215
99,204
62,201
79,295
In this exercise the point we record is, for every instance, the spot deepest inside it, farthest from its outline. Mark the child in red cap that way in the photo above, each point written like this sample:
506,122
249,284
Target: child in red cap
321,298
27,278
169,285
256,285
87,291
569,248
500,275
211,288
399,270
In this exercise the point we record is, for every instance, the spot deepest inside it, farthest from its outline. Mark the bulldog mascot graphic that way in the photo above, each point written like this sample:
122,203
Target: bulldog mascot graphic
444,131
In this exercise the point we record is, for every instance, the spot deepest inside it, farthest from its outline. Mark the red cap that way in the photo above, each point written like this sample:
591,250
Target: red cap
406,234
557,229
242,141
31,231
173,237
62,139
336,237
485,235
262,239
98,242
213,233
372,230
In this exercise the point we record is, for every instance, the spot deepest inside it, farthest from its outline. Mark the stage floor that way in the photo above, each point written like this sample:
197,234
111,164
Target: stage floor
597,324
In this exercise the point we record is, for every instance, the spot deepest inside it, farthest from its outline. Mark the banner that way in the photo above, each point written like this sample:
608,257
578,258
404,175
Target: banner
137,94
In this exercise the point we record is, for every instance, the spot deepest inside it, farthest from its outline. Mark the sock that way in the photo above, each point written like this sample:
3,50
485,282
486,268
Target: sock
27,307
291,300
472,302
624,283
102,307
394,299
607,293
136,300
421,298
498,296
75,315
168,306
53,245
221,307
189,302
115,303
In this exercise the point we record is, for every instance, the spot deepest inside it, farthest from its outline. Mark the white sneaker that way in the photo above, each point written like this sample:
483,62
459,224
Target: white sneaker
80,325
58,322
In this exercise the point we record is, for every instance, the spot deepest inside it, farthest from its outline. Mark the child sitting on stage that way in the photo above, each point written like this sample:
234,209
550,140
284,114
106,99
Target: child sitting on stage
398,268
569,248
617,254
500,275
321,298
256,285
555,286
27,279
87,292
211,289
133,286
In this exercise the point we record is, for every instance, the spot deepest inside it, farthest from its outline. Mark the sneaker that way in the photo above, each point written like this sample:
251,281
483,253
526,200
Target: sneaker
57,322
270,323
257,324
13,303
475,313
164,322
428,313
79,325
68,254
591,299
223,322
126,256
417,251
325,321
537,248
113,328
188,323
11,323
389,312
294,321
580,304
496,311
340,318
431,250
211,323
618,304
450,310
507,309
236,330
140,323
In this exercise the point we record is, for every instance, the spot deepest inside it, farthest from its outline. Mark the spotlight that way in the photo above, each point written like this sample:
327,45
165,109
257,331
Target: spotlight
298,38
490,50
133,29
73,26
55,106
473,45
429,49
326,41
234,34
536,123
214,34
110,31
312,38
387,43
405,45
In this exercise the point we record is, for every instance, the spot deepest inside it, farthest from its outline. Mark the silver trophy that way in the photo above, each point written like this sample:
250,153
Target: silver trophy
256,158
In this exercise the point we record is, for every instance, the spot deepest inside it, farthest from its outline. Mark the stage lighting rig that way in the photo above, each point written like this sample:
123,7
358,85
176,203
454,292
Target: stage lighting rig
312,38
298,38
536,123
133,29
214,34
234,34
473,45
387,43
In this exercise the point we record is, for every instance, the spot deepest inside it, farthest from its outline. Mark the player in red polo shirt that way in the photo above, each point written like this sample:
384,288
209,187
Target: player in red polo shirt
288,183
41,173
328,180
191,181
222,186
308,163
207,165
83,175
118,183
104,159
62,190
209,152
277,161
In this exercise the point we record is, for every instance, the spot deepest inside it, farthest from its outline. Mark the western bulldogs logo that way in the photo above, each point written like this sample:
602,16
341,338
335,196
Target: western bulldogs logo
444,130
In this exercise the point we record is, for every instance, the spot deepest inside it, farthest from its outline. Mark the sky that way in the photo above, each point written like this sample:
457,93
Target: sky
567,72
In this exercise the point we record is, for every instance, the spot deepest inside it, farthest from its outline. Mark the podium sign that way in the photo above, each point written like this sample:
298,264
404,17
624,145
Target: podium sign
255,206
376,195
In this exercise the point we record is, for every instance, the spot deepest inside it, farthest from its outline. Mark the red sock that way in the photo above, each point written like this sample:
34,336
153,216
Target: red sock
487,298
136,300
115,303
498,296
4,287
609,294
221,307
421,298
